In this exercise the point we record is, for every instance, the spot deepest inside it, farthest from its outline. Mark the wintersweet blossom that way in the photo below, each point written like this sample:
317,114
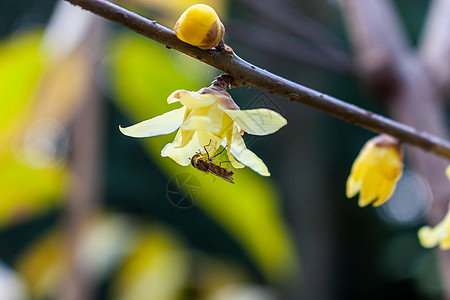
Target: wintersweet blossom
430,237
209,118
200,26
376,171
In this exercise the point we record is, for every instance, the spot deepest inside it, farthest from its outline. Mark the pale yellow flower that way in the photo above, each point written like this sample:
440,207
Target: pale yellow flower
430,237
200,26
376,171
210,117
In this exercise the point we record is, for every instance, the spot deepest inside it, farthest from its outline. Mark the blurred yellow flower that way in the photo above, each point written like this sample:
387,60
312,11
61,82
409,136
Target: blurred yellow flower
430,237
209,118
376,171
200,26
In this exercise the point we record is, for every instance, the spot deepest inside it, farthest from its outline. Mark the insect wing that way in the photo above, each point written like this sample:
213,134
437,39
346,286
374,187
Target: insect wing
219,174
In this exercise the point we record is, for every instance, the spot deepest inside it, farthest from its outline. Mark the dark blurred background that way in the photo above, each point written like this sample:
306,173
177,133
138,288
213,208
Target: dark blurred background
87,213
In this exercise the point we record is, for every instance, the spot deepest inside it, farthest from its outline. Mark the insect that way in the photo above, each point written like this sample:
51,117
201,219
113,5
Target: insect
206,164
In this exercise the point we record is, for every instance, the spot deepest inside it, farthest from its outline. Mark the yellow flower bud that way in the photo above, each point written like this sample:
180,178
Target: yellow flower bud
376,171
200,26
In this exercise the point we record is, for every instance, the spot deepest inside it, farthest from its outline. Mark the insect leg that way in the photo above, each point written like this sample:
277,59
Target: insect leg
219,152
204,147
220,164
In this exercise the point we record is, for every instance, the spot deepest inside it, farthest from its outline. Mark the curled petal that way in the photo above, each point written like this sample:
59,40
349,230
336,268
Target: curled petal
261,121
181,155
191,99
245,156
163,124
229,128
234,162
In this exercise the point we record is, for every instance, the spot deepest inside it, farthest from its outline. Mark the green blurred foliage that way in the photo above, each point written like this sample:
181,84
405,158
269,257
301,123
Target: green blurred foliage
242,235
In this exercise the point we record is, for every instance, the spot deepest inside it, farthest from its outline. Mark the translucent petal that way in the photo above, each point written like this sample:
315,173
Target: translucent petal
181,155
245,156
197,122
261,121
186,137
187,143
208,141
163,124
207,118
191,99
227,142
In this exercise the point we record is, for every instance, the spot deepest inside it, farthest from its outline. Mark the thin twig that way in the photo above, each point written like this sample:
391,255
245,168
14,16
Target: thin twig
246,74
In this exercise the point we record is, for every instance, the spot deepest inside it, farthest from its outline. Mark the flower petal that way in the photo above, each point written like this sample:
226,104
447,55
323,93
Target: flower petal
353,187
385,192
191,99
234,162
440,234
428,236
369,188
181,150
261,121
207,118
163,124
181,155
228,132
245,156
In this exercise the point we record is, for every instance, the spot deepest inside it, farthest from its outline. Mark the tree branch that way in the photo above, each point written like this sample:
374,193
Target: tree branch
246,74
414,98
